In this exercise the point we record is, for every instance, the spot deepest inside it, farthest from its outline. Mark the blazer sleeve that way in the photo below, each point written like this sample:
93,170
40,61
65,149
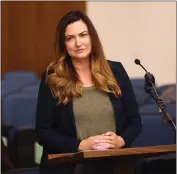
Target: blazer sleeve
133,124
47,136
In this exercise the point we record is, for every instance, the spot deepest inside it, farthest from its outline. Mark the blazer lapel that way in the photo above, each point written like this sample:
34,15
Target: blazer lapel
116,102
118,110
67,118
71,115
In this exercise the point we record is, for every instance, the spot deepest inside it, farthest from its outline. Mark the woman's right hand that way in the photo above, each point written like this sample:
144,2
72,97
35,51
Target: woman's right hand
93,143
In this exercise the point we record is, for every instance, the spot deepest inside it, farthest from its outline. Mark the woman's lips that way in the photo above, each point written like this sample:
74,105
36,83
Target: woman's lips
80,50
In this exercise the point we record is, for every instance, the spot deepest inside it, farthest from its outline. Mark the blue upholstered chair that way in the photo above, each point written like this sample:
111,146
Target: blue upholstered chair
11,86
27,76
33,87
154,132
138,82
19,109
138,87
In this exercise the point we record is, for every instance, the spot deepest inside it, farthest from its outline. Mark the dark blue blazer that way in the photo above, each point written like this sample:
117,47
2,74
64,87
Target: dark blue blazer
55,124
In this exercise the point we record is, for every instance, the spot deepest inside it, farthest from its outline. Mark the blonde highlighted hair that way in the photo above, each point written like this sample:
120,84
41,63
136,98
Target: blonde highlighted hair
64,81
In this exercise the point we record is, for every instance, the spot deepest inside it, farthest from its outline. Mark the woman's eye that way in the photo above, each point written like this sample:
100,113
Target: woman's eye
83,34
69,38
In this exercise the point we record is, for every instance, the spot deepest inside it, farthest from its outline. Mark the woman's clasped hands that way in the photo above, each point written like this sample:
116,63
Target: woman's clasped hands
108,140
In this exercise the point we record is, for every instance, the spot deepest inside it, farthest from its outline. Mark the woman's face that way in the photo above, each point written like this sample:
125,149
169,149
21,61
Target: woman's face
77,40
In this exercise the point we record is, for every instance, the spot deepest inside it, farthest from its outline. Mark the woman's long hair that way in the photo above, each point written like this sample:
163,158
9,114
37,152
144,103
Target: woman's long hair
64,81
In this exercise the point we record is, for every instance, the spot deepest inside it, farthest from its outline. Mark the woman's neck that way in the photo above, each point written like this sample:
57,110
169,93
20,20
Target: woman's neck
83,69
82,65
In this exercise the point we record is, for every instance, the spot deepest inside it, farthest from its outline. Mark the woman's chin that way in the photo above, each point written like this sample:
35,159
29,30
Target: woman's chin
81,57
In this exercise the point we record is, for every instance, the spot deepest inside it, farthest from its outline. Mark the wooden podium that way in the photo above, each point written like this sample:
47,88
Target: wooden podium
122,159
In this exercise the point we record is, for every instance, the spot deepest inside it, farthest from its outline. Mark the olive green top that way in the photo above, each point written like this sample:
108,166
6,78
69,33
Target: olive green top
93,113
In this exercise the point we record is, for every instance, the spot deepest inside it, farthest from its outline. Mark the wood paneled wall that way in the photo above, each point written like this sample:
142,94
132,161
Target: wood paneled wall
28,33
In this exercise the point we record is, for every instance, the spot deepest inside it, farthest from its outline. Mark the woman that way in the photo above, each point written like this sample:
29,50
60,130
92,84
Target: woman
85,102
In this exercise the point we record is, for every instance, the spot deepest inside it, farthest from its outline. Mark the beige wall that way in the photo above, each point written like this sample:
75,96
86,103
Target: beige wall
144,30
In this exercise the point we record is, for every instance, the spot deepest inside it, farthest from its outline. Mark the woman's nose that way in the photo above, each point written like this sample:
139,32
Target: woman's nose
78,42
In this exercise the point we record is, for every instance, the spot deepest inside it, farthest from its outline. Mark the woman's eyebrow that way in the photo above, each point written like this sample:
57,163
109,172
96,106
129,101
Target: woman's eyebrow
76,34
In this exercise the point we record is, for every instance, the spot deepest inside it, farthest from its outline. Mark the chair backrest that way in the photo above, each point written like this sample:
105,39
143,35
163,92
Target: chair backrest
149,109
154,132
138,82
19,109
141,95
19,75
163,88
169,94
10,87
33,87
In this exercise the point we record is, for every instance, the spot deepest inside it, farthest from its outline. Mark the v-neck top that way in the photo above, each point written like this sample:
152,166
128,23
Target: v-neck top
93,113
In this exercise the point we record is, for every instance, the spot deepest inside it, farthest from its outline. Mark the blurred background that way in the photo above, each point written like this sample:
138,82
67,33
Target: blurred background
128,30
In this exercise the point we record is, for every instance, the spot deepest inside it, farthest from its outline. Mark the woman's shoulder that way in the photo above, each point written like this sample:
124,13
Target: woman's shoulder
116,66
44,74
119,72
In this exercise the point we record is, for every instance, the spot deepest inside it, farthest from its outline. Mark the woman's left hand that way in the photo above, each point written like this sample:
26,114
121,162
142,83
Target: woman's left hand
112,138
